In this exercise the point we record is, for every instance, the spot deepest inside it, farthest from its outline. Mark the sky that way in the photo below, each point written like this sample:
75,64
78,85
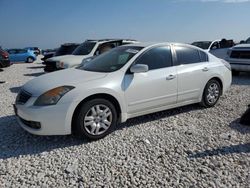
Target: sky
49,23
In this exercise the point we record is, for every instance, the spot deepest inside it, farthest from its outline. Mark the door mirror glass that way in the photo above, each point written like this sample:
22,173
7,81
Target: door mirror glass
139,68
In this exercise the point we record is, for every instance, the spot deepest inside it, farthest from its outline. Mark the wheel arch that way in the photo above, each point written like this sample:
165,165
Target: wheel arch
106,96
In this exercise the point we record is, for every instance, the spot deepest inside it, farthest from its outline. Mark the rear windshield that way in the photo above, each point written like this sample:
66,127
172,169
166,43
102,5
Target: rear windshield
84,49
203,44
64,50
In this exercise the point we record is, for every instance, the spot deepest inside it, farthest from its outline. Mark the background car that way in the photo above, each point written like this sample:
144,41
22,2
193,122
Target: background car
36,50
239,58
218,48
87,49
21,55
64,49
4,59
126,82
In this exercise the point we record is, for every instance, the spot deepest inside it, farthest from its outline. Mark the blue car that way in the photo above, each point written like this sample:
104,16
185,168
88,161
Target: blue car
21,55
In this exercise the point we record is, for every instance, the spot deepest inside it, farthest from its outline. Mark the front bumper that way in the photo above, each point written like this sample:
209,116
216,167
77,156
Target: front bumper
4,63
50,67
53,120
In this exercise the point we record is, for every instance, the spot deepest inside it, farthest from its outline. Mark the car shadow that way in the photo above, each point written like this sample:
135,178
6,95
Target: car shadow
15,142
226,150
159,115
35,74
242,79
15,89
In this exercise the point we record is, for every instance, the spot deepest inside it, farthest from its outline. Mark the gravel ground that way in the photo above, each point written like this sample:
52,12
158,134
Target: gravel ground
185,147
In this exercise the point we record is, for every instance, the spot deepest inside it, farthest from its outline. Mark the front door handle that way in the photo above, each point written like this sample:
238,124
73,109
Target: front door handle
205,69
170,77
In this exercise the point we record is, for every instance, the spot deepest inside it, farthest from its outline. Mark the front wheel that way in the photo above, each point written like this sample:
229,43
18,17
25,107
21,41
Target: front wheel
95,119
211,93
30,60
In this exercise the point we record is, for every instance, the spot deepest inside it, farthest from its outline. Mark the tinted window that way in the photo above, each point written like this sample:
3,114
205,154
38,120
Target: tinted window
112,60
186,55
156,58
84,49
11,51
203,56
64,50
202,44
21,51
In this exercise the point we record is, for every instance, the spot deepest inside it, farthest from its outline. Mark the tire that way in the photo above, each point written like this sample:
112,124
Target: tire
211,93
88,116
30,60
235,73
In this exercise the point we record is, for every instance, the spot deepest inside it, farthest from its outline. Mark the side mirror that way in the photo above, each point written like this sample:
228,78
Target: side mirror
139,68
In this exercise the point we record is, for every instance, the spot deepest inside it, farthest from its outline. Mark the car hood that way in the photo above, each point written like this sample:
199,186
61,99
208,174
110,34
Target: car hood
60,58
76,60
49,81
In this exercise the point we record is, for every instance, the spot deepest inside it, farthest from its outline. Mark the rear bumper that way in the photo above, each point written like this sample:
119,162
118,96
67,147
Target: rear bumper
239,64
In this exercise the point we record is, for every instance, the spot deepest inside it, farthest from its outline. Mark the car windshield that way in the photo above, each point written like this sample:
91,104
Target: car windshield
203,44
84,49
64,50
112,60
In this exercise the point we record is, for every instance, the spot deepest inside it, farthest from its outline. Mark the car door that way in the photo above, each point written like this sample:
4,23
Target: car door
155,88
193,72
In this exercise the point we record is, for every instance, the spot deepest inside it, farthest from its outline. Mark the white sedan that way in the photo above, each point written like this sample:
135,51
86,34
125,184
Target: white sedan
126,82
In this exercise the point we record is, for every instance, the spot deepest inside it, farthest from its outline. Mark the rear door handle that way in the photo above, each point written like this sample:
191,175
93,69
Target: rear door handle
170,77
205,69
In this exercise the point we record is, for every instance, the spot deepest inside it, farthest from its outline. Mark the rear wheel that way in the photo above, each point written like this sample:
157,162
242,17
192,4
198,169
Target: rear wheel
95,119
211,93
30,60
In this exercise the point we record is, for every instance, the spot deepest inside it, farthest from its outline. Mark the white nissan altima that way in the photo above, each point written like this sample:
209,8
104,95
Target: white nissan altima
123,83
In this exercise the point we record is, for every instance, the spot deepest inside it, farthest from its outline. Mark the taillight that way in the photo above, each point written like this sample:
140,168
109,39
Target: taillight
226,64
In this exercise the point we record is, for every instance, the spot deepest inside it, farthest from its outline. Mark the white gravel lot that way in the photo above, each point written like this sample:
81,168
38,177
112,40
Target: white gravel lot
185,147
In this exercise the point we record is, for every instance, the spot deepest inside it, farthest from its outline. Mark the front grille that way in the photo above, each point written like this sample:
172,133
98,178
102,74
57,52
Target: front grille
240,54
31,124
23,97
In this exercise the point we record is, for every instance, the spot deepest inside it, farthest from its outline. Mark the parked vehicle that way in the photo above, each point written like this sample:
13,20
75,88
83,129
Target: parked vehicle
248,41
64,49
239,58
36,50
218,48
4,59
87,49
126,82
21,55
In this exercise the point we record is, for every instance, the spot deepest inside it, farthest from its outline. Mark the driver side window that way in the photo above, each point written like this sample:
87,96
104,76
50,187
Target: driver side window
156,58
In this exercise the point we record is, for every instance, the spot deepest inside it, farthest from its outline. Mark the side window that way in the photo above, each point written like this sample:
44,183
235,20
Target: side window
203,56
11,51
186,55
215,46
156,58
22,51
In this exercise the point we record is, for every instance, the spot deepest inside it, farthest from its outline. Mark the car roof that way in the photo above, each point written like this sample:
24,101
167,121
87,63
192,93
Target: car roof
148,44
109,40
242,46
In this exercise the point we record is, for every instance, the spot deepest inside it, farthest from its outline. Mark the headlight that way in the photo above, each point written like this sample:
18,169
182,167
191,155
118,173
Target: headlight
59,64
52,96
